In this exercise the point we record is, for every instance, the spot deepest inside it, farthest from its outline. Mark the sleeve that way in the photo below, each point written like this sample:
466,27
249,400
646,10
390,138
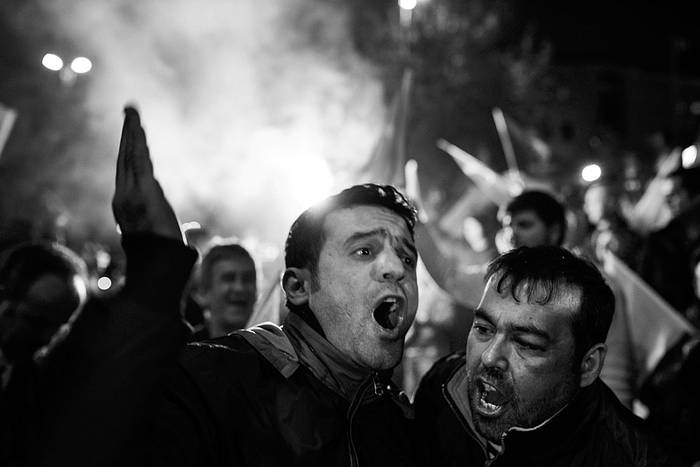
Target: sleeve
107,378
426,410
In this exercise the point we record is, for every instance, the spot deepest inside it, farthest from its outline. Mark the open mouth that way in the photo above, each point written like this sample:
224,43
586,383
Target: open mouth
490,400
388,312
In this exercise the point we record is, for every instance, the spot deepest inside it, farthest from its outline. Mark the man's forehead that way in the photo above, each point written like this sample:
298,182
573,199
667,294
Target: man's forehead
562,296
237,262
366,218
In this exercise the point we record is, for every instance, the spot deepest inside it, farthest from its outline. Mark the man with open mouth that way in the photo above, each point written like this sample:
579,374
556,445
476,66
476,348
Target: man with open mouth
527,389
315,391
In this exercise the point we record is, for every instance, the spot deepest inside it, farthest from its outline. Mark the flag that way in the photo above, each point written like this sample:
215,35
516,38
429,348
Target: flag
492,185
7,121
654,326
386,164
523,139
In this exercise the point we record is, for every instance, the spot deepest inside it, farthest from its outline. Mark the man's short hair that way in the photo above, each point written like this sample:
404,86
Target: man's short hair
545,206
546,273
307,236
216,253
27,262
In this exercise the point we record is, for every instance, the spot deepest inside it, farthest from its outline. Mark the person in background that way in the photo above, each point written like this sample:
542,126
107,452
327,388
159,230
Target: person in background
43,288
603,206
530,219
527,389
664,258
227,289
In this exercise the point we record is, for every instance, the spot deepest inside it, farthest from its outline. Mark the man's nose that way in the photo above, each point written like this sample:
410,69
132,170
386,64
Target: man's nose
494,355
238,284
390,266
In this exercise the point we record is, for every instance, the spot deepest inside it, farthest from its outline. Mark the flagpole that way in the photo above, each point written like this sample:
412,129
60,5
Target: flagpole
500,120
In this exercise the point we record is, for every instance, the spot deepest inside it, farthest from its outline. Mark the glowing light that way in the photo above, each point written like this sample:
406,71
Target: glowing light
408,4
52,61
81,65
591,173
689,156
104,283
295,161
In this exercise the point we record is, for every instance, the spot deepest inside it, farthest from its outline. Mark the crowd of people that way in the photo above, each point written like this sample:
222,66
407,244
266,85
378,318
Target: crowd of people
169,370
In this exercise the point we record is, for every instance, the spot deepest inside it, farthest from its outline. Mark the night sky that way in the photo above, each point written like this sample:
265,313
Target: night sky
649,36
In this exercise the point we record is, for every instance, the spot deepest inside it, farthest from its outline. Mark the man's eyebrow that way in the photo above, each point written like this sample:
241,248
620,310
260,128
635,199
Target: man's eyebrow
381,232
482,314
365,235
530,329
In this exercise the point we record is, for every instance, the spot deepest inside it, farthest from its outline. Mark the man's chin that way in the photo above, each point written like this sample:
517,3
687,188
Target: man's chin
385,358
488,428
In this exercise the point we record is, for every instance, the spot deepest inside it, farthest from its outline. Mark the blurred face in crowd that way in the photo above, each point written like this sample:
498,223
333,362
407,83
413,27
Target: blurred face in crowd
365,292
525,228
232,292
521,366
28,322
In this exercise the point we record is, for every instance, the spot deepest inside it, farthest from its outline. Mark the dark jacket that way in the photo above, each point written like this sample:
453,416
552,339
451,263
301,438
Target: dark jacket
595,429
270,396
84,404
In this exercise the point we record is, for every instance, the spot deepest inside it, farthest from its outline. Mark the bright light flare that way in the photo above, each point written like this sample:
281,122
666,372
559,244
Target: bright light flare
104,283
294,159
81,65
193,225
408,4
52,61
689,156
591,173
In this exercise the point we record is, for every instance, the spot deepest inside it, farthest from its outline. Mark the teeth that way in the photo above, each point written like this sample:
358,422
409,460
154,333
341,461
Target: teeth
490,407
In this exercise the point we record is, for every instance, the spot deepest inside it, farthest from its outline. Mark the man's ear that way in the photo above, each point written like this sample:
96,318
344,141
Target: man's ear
592,364
296,283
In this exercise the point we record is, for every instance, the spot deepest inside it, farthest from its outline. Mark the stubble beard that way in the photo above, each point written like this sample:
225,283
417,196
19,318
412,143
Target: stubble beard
517,413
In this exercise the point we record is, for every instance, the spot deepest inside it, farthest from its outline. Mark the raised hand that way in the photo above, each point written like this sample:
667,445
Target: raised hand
139,204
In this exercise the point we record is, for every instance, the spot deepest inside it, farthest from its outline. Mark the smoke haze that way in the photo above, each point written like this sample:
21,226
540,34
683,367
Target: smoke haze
253,109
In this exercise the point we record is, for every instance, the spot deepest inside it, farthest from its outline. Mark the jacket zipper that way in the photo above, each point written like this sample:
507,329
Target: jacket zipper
451,404
356,402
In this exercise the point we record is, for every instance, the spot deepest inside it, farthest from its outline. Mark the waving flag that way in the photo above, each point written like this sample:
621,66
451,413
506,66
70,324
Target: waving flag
386,164
654,326
7,121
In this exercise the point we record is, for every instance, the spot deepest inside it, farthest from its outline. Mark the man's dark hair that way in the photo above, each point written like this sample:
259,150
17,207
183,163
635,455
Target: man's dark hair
550,272
545,206
27,262
307,236
217,253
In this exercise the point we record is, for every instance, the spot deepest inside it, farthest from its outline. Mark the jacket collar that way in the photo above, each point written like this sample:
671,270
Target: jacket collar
323,360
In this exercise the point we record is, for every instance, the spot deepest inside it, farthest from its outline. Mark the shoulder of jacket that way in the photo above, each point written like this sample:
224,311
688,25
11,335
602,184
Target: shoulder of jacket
442,370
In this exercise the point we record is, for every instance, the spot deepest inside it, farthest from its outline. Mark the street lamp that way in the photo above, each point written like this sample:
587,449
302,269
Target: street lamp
67,74
591,173
81,65
52,61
